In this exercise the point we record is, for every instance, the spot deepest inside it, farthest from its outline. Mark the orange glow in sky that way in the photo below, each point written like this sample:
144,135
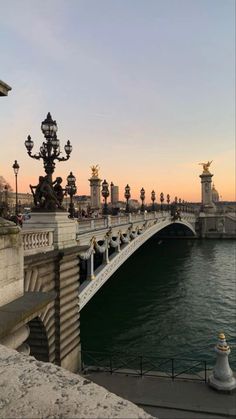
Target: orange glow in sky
135,86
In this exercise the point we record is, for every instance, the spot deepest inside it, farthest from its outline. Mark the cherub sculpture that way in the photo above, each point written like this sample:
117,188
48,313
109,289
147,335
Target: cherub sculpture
206,166
95,170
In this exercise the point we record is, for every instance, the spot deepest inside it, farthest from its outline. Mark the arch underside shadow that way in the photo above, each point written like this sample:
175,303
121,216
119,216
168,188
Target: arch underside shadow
176,230
105,271
38,340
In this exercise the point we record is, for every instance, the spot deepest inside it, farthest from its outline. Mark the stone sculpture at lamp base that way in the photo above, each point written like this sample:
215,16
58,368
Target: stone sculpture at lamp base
48,196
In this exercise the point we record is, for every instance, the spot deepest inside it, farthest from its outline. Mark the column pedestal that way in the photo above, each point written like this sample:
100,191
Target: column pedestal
95,191
64,228
208,205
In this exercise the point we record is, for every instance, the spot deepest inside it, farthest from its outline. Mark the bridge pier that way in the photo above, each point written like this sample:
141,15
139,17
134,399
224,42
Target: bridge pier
67,316
57,270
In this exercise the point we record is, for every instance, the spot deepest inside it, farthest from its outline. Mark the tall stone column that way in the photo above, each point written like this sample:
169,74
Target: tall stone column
208,205
95,191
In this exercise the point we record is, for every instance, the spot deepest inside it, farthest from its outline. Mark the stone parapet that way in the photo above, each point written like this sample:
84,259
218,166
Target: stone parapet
63,228
11,262
33,389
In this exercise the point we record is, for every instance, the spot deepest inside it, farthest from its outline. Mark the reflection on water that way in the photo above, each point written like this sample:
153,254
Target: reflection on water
168,299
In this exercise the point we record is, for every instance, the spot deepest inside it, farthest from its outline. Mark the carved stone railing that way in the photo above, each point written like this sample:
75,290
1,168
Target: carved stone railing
35,241
40,240
86,225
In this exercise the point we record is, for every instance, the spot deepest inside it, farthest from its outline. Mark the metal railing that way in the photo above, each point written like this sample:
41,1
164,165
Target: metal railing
141,365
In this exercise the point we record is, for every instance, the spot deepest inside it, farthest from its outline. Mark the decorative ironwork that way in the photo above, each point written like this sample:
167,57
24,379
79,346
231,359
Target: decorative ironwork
153,198
127,197
168,201
45,195
142,197
105,194
71,191
16,170
161,200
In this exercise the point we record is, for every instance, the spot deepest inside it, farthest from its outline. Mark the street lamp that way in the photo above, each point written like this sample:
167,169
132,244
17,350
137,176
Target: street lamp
105,194
153,198
50,149
71,190
127,197
162,200
142,197
16,170
168,201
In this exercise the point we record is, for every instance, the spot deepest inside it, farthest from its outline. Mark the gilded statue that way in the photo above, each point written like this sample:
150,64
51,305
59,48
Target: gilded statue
95,170
206,166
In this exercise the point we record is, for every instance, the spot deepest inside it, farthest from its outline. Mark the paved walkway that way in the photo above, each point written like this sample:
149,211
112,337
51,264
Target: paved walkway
165,398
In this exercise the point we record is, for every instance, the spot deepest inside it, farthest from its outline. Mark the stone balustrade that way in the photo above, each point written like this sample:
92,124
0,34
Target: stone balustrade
35,241
109,221
42,240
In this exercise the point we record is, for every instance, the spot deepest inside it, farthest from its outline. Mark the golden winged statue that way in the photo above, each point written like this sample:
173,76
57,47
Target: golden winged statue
95,170
206,166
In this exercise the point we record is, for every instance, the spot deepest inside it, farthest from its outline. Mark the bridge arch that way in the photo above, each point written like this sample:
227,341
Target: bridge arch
106,270
178,229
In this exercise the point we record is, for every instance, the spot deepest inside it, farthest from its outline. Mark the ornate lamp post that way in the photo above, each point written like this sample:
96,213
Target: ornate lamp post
71,190
180,204
176,200
153,198
16,170
168,201
127,197
6,196
105,194
50,149
142,197
162,200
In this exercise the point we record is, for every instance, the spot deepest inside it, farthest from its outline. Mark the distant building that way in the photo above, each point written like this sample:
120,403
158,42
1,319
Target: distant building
82,203
215,194
114,194
25,200
134,204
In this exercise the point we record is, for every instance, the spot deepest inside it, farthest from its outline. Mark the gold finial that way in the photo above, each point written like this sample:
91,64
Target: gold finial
95,170
206,166
222,344
221,336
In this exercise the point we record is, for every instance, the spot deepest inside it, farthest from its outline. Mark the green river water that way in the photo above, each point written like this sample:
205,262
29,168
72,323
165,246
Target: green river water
171,298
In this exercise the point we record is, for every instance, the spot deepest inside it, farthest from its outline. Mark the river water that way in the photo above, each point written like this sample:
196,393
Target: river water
171,298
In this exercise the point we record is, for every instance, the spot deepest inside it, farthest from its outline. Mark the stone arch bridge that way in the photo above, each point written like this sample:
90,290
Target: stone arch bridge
68,262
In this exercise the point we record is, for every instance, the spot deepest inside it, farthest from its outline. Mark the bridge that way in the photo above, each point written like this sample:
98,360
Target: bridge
54,265
113,238
58,254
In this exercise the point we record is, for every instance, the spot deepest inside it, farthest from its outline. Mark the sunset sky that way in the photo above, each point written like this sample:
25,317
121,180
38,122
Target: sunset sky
144,88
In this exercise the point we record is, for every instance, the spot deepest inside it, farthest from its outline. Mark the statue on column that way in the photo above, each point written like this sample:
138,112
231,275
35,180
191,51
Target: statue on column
95,170
206,166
